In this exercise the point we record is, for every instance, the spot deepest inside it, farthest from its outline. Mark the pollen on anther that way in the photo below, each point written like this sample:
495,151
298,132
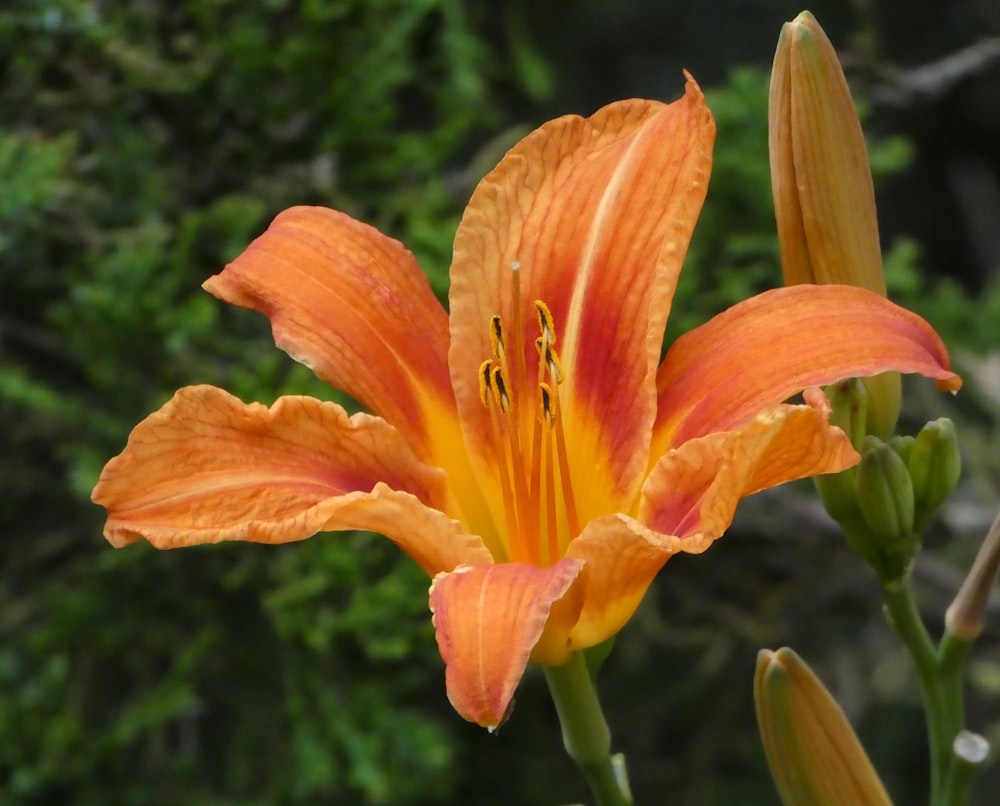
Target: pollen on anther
554,364
496,336
546,402
485,382
545,323
499,387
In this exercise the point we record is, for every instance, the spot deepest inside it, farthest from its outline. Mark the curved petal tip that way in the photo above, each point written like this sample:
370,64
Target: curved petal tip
489,619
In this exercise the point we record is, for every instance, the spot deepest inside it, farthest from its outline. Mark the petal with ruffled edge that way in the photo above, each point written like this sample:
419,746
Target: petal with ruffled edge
207,468
489,619
689,501
694,489
765,349
353,305
598,212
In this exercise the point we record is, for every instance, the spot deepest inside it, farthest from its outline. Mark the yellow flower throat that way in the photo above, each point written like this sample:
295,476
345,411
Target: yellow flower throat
530,444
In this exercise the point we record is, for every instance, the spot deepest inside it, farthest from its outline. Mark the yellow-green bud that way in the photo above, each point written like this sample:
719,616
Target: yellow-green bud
849,404
849,401
814,755
902,445
935,465
885,497
884,394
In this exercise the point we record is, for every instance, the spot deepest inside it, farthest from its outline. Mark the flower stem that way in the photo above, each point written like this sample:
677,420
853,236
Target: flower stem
940,671
585,732
952,654
906,621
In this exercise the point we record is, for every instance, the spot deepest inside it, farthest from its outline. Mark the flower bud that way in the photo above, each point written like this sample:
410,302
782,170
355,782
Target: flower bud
885,497
965,616
935,465
822,184
902,446
814,755
849,406
824,200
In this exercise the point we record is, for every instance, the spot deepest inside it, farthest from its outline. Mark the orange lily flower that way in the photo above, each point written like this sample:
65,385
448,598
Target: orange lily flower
529,451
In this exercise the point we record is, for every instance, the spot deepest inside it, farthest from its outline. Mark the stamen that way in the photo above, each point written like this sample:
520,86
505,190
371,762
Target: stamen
488,375
565,479
534,463
548,521
516,497
520,379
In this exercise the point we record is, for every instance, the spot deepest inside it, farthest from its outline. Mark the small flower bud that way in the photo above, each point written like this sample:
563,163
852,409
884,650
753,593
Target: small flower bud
935,465
849,406
901,446
849,402
885,497
814,755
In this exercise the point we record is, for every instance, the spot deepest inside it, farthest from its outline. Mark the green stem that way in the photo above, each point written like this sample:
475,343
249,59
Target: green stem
941,673
910,627
953,652
585,732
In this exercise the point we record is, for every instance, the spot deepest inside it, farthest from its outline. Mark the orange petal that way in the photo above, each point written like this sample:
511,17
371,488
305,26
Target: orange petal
623,556
689,501
208,468
353,305
598,213
488,620
694,489
767,348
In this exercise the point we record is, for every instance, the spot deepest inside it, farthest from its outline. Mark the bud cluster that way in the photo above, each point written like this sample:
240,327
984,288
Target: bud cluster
884,502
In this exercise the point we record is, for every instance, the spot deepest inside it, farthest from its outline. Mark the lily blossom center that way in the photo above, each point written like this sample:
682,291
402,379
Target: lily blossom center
529,441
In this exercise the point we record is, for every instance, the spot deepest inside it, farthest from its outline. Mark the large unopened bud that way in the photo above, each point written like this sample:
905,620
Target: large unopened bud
824,200
814,755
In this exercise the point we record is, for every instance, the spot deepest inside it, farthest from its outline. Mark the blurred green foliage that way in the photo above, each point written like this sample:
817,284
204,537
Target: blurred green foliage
150,143
144,145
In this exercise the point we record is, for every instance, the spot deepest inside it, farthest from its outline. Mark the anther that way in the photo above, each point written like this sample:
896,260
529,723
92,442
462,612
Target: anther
496,336
499,386
485,382
546,400
545,323
554,364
